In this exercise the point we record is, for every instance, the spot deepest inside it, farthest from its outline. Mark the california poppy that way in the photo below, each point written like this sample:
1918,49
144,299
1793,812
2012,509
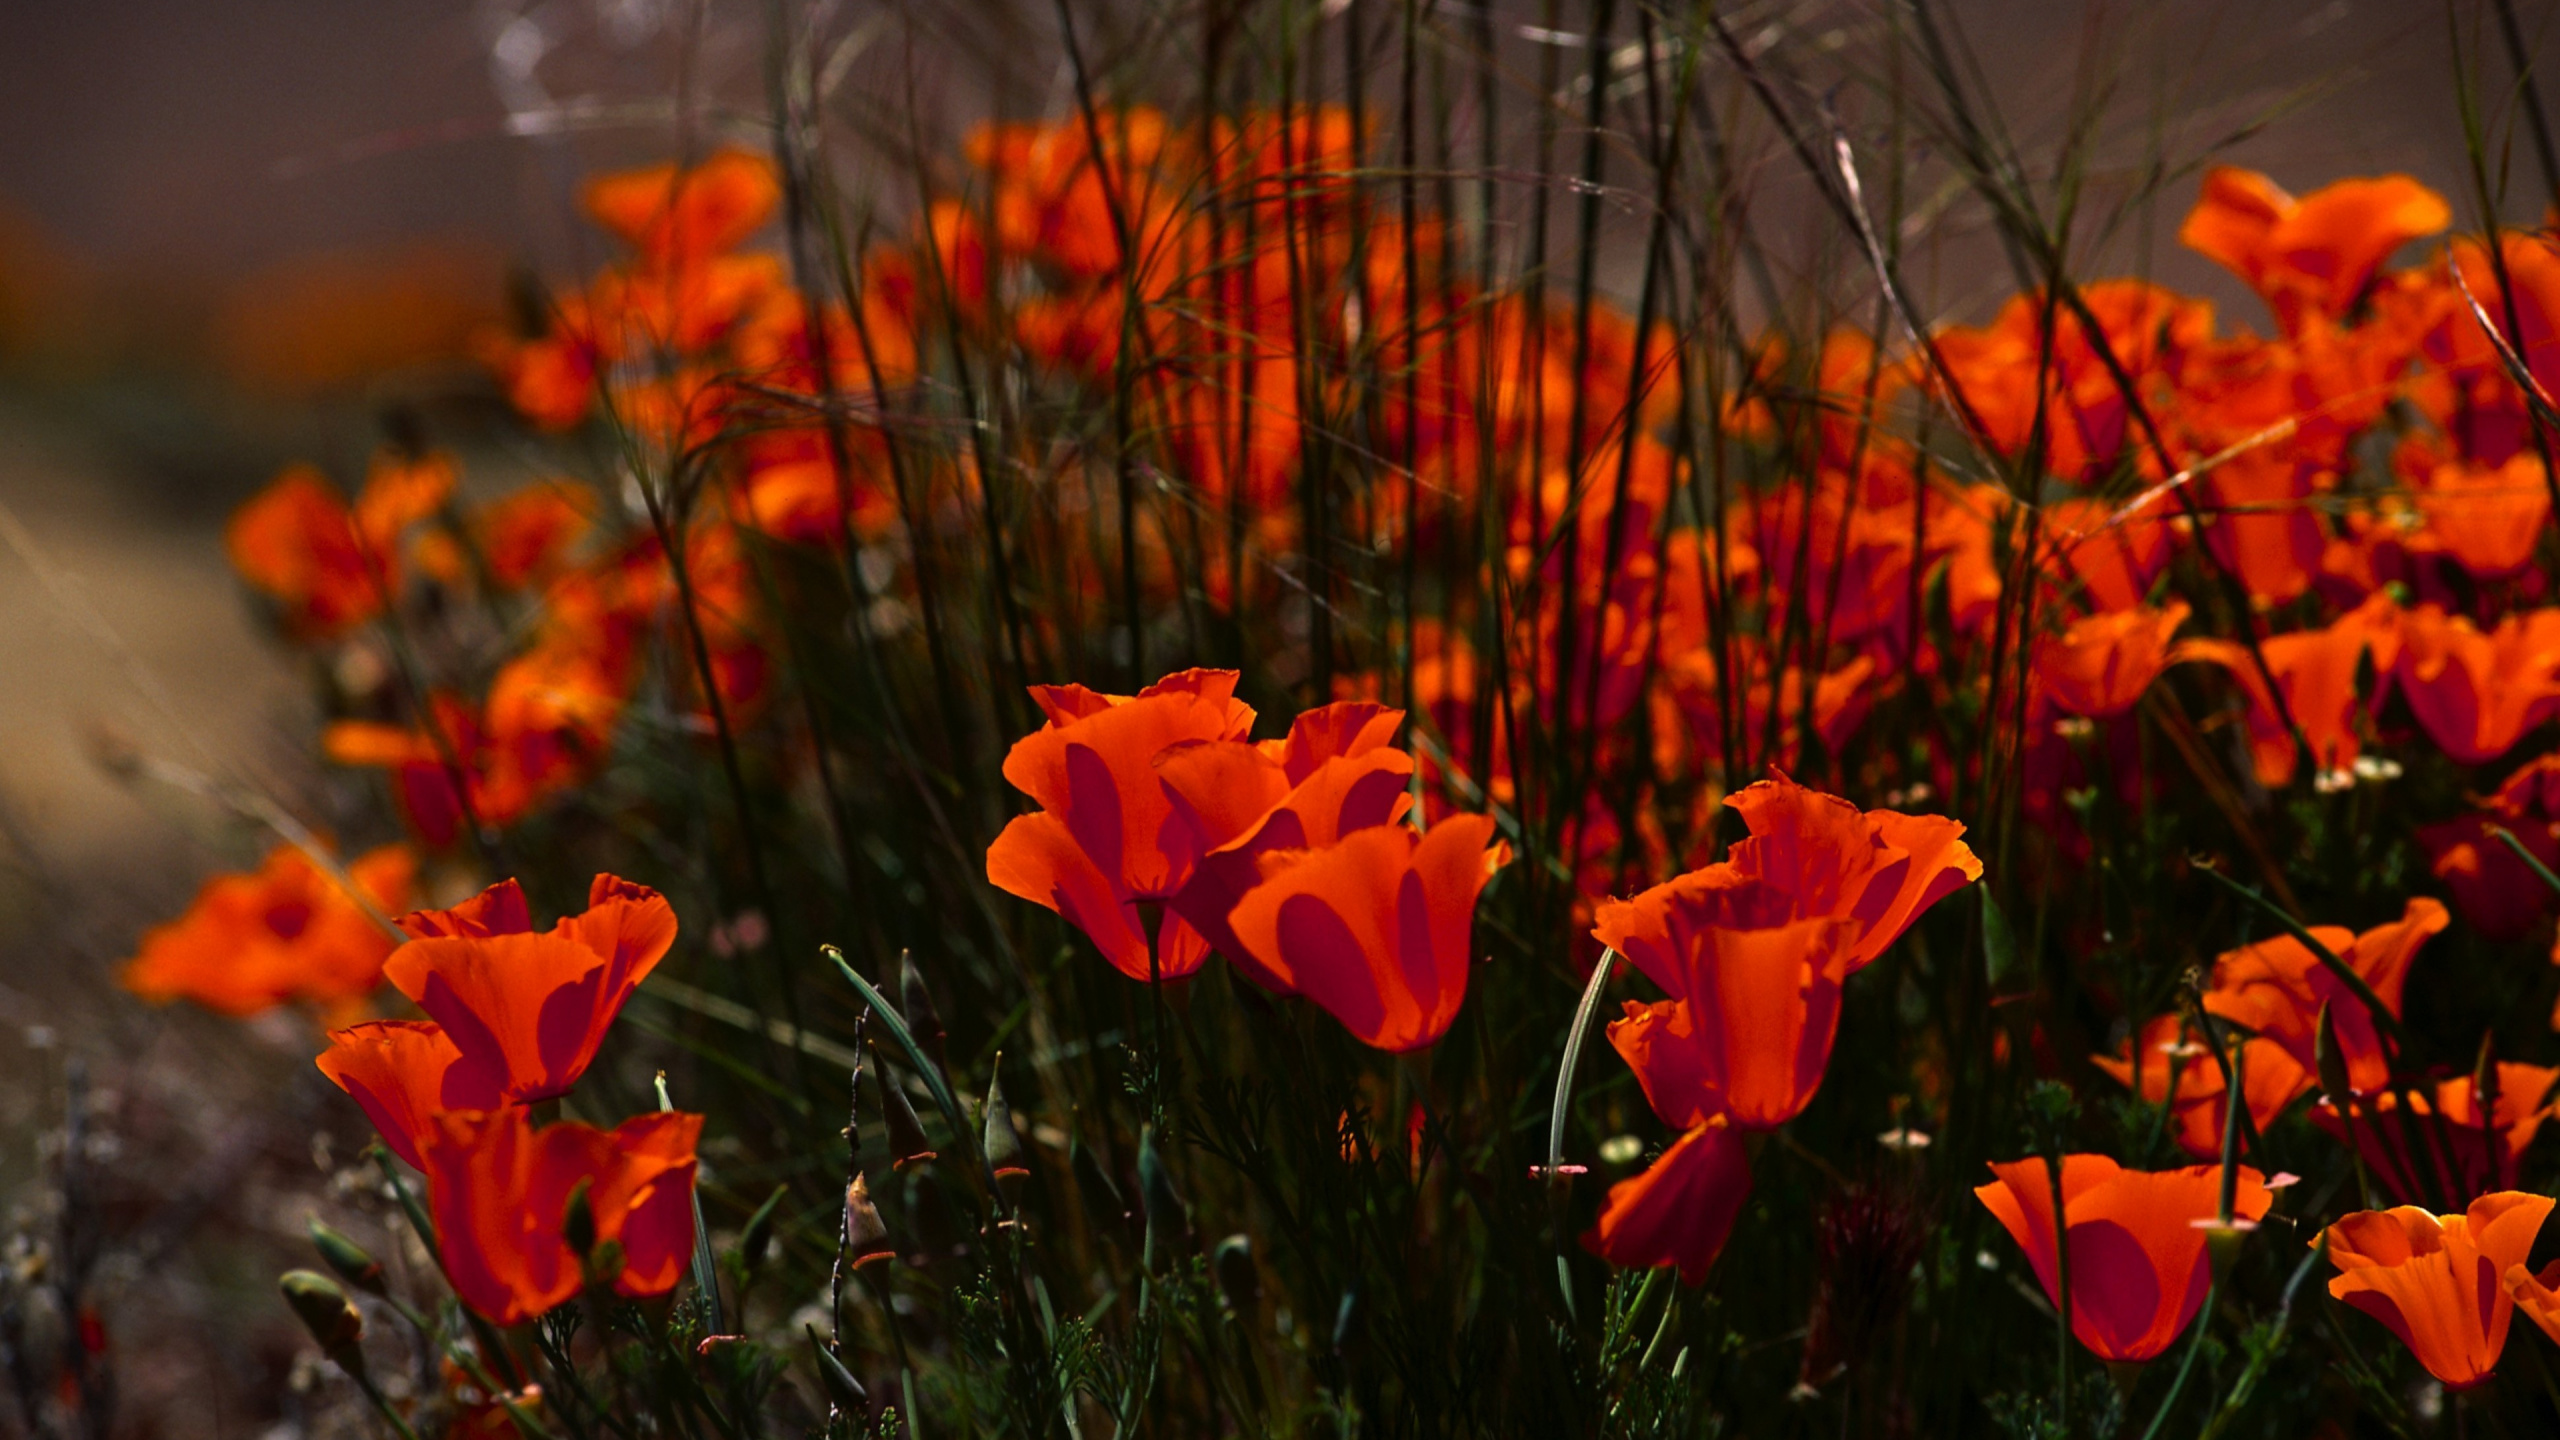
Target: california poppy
1681,1209
2483,1150
2475,694
2497,893
2314,254
2180,1072
1376,927
2138,1265
527,1009
1755,1008
1881,868
2439,1281
2317,671
1335,773
672,213
2100,664
285,931
523,537
404,1073
332,565
500,1193
1106,837
2277,987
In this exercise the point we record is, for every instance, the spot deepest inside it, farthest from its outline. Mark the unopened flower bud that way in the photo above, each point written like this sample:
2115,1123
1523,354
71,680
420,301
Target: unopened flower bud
866,1236
2331,1062
924,1022
328,1314
1004,1144
907,1142
347,1258
844,1392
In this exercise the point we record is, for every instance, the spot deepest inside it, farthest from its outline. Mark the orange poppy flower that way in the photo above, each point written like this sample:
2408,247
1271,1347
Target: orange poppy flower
2498,895
2317,670
2277,987
672,213
2538,1296
2439,1281
2138,1264
1880,867
1679,1211
404,1073
1376,927
2314,254
2099,666
2483,1150
2180,1072
2115,561
2476,695
1106,837
331,565
1754,1011
524,536
528,1009
499,1191
284,931
1334,774
2488,518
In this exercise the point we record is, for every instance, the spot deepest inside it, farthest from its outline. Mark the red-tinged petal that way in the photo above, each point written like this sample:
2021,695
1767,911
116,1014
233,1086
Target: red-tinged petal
1038,859
498,910
1342,730
1680,1210
528,1010
404,1073
1661,1044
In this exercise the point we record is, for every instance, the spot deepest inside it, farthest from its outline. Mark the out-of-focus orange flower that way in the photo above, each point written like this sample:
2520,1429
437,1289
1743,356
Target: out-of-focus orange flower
1106,836
672,213
2277,987
2484,1150
1679,1211
2488,518
1334,774
524,537
2315,254
2114,560
333,566
528,1009
2180,1072
2497,893
404,1073
499,1191
2099,666
2477,694
1881,868
1754,1008
2439,1281
1377,927
2139,1271
284,931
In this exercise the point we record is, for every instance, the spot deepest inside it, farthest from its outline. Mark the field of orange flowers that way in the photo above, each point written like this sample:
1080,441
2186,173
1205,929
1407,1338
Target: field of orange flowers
1030,827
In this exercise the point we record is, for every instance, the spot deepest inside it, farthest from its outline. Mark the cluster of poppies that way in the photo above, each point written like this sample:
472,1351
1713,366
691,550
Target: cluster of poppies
1303,860
518,1015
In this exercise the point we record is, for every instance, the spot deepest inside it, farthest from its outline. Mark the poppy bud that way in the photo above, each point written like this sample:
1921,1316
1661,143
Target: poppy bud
2331,1062
1238,1280
347,1258
907,1143
844,1392
1167,1223
328,1314
924,1022
1004,1144
578,1226
866,1236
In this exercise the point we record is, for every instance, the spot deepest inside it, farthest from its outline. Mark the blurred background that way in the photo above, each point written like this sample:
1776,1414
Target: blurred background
236,235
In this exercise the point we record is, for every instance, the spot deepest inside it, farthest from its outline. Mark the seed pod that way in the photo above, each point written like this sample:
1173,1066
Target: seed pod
923,1021
1238,1280
328,1314
866,1235
844,1392
1004,1143
907,1142
347,1258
